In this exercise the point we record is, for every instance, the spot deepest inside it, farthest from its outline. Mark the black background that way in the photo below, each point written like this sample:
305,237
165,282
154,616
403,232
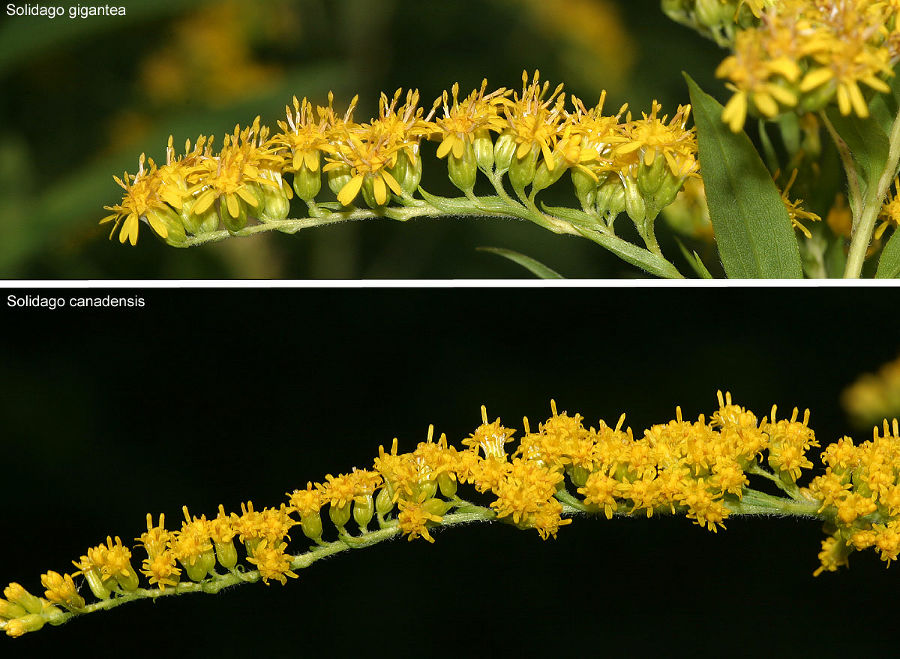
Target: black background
209,396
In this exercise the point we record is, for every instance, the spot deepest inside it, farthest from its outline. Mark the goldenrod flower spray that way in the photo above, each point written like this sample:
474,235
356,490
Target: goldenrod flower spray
802,68
524,140
555,472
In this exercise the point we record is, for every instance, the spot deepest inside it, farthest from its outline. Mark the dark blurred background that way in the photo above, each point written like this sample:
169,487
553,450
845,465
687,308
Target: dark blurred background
208,396
83,98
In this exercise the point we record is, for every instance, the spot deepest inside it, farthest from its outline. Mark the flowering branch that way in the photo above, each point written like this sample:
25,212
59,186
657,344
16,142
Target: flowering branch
636,166
560,470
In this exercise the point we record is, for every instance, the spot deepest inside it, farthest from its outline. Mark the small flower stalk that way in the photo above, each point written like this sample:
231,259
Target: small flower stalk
707,470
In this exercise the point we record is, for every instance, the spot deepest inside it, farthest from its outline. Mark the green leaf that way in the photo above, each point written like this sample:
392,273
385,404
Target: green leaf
694,261
752,226
637,256
572,215
889,263
447,205
868,143
768,147
533,266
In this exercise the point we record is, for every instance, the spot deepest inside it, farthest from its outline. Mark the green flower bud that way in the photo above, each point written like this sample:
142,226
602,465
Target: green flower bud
545,177
447,484
95,583
436,506
227,554
522,170
504,149
635,205
197,570
363,511
484,149
713,13
585,187
383,503
338,178
307,183
428,488
340,515
611,197
129,581
208,560
199,224
368,192
578,475
311,525
233,223
275,203
408,173
171,221
667,192
463,170
650,178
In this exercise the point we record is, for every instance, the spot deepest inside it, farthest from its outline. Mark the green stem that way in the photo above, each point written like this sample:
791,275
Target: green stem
793,492
754,502
875,194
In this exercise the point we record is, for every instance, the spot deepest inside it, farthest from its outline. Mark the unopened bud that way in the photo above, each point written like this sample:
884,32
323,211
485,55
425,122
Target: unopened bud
275,204
169,220
447,484
311,525
634,202
545,177
383,503
407,171
463,170
504,149
226,553
522,170
340,515
128,581
363,511
484,149
233,222
307,183
585,187
611,197
649,178
338,178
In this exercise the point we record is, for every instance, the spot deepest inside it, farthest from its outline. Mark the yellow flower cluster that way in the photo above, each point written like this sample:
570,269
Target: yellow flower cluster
860,497
700,469
537,141
804,54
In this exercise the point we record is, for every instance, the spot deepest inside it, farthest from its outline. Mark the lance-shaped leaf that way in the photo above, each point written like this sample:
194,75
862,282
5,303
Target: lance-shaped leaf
752,226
